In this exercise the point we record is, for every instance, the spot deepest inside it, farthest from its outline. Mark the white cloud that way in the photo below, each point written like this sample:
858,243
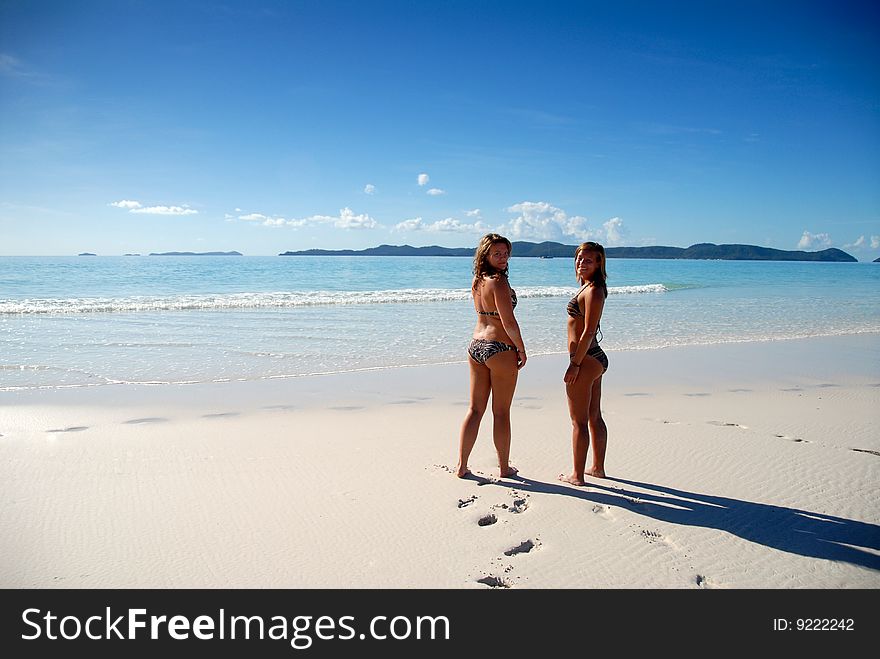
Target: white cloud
165,210
447,225
415,224
423,179
473,213
125,203
369,188
858,244
265,220
809,240
434,192
347,219
542,221
450,224
137,207
614,231
862,243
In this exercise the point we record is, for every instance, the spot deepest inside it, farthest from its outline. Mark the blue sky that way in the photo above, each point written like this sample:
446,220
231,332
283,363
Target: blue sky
137,126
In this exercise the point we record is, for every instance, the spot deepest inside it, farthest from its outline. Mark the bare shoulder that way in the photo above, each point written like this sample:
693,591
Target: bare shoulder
496,284
593,295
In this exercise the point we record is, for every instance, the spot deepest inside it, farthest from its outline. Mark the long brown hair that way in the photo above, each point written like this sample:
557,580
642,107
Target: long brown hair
599,277
482,267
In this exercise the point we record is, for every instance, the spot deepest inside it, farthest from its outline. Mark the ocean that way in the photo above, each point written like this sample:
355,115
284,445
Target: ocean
91,321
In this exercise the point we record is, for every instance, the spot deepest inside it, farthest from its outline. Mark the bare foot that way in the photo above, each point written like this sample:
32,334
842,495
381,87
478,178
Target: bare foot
462,472
574,480
596,473
510,471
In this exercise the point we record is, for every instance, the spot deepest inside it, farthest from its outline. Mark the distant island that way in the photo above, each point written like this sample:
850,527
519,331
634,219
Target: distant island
86,254
703,251
195,253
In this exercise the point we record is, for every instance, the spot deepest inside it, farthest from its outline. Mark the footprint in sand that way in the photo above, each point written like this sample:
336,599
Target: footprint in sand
792,439
651,536
473,476
519,504
494,582
464,503
704,582
524,547
637,393
149,419
792,389
700,394
346,408
70,429
739,391
727,424
602,511
654,537
220,415
487,520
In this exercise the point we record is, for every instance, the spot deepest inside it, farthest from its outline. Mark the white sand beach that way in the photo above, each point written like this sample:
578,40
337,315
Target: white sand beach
751,465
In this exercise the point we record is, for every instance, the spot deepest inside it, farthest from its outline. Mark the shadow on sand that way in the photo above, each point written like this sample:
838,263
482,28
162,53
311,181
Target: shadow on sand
786,529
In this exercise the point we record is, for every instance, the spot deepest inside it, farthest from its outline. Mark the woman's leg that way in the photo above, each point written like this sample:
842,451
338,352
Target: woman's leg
481,385
598,431
503,373
579,395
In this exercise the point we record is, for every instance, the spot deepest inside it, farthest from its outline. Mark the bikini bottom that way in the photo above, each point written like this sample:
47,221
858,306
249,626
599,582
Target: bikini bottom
597,353
482,349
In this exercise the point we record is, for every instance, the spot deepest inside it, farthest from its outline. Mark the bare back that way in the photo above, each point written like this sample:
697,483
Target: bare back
494,301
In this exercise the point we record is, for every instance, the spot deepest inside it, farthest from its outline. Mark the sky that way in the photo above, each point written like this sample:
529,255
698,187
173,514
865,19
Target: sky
137,126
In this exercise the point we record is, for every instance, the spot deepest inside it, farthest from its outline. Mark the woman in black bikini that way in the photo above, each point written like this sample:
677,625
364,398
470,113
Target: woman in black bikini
496,352
583,378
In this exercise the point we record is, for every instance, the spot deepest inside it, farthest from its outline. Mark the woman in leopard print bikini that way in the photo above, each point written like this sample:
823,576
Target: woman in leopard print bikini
495,354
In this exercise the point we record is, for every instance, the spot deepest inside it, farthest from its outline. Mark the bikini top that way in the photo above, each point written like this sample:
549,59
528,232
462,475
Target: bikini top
573,308
495,313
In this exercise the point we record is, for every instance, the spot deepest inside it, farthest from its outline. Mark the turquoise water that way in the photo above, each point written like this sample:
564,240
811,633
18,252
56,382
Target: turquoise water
80,321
